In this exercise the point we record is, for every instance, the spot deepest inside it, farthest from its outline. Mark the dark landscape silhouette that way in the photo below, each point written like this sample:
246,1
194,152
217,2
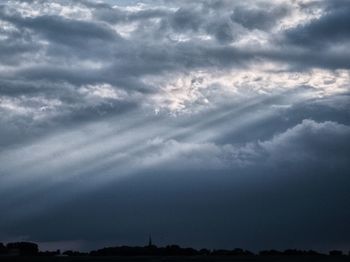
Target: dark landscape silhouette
28,251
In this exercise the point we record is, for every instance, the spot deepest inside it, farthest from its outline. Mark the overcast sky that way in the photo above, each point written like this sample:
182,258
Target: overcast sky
213,123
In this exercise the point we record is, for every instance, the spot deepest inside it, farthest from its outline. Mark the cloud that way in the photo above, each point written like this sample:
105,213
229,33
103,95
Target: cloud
216,180
218,104
59,48
328,29
310,142
258,17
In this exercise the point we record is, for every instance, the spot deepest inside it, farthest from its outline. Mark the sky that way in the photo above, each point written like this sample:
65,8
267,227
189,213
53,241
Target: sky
211,123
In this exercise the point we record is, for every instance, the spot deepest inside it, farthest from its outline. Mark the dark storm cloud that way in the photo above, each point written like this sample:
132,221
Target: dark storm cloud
13,50
307,142
65,53
186,19
320,110
112,15
62,30
72,40
329,29
16,46
308,58
63,74
263,17
239,204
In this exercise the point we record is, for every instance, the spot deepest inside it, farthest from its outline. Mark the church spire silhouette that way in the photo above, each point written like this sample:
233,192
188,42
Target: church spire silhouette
150,241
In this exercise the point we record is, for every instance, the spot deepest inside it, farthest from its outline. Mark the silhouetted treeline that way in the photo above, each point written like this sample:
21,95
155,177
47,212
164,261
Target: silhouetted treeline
31,249
172,250
2,248
289,252
71,253
19,248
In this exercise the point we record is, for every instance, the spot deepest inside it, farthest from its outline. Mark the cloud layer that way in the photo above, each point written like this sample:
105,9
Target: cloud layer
244,103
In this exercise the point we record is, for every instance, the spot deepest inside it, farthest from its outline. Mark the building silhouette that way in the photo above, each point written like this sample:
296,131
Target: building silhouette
150,243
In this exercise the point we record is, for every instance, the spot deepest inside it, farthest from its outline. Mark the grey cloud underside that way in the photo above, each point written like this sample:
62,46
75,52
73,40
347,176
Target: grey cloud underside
312,177
150,49
219,123
328,30
263,17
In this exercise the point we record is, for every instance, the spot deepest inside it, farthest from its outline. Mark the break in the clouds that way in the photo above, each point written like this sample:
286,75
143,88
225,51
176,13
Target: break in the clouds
206,123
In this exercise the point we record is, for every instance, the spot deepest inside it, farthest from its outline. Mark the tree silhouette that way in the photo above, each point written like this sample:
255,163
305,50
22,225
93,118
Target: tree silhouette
31,249
24,248
335,253
3,249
